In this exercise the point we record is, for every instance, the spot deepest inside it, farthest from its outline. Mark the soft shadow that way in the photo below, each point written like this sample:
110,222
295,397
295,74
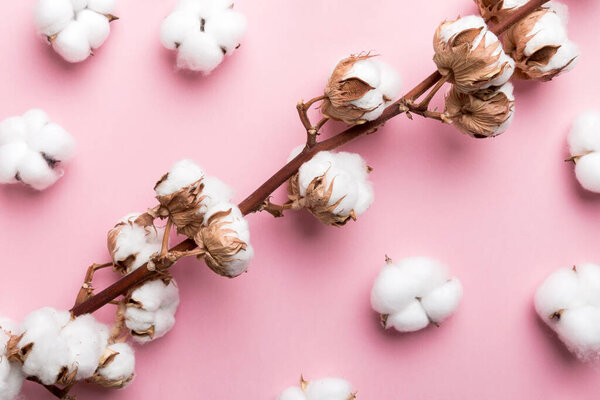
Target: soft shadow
558,347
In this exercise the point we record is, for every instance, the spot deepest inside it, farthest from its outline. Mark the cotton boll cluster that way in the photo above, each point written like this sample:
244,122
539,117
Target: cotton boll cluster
540,45
74,27
334,187
116,368
584,145
482,114
415,292
470,55
359,89
31,149
133,241
151,310
200,207
203,32
58,349
321,389
569,302
11,377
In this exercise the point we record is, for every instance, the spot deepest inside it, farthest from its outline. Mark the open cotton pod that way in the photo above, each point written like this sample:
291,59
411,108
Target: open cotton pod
133,241
11,377
569,303
320,389
584,145
74,28
203,32
540,46
481,115
32,149
359,89
334,187
116,368
151,309
415,292
470,56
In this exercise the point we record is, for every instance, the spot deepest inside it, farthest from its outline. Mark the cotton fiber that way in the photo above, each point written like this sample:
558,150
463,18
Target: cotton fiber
321,389
584,145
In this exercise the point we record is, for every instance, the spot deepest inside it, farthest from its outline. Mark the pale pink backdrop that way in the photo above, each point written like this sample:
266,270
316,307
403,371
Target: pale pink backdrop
503,213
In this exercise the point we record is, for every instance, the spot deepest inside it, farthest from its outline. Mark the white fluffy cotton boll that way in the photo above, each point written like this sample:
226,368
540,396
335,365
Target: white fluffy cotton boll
11,377
134,243
122,366
569,302
31,148
584,146
183,173
202,32
415,292
320,389
86,339
74,27
151,310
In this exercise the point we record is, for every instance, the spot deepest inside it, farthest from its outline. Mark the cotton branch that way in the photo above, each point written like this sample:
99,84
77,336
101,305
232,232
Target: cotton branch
257,199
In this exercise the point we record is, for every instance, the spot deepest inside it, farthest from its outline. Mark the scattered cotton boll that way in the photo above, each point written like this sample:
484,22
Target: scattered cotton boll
151,310
11,377
584,145
74,27
320,389
332,186
359,89
569,302
117,367
182,174
133,241
202,32
415,292
31,149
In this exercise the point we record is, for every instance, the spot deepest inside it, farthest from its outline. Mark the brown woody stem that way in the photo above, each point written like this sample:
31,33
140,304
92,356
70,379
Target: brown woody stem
165,239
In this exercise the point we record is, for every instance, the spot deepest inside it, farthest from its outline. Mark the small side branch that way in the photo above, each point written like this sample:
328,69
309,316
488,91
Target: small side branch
275,210
312,131
87,289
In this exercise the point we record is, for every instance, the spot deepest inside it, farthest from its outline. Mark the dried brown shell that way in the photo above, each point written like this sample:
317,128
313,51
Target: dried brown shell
494,11
515,42
183,207
478,116
219,243
467,67
340,92
316,200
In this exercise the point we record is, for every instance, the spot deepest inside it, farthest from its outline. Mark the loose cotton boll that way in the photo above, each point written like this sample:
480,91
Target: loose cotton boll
415,292
133,241
116,368
74,27
569,303
151,310
32,149
225,240
320,389
202,32
11,377
584,145
359,89
334,187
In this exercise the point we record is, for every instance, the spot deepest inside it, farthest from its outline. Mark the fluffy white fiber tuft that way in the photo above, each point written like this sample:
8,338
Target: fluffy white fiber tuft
11,377
569,302
151,311
136,241
202,32
349,174
321,389
584,145
58,342
31,148
122,367
415,292
74,27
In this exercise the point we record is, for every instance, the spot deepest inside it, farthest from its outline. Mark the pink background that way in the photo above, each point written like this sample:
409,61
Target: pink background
503,213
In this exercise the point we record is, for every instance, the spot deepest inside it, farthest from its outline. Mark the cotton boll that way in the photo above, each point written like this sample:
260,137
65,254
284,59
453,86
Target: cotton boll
199,52
35,119
102,6
86,340
292,393
13,129
120,370
584,136
415,292
35,171
10,157
569,302
96,26
131,244
52,16
587,171
367,71
227,28
177,27
329,389
53,141
79,5
391,82
182,174
72,43
216,191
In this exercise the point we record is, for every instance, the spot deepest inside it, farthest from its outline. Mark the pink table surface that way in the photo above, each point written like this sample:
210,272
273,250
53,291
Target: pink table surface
503,213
